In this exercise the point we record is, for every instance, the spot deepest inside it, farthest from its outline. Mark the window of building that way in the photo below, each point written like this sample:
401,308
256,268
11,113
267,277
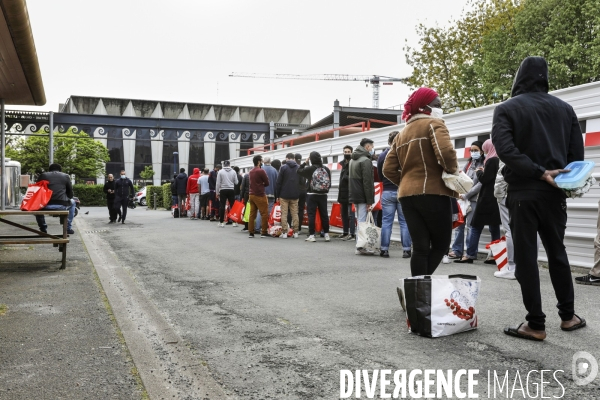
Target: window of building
460,143
583,125
221,147
483,138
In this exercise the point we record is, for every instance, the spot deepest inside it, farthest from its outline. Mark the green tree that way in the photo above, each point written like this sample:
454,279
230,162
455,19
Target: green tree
76,152
491,39
147,173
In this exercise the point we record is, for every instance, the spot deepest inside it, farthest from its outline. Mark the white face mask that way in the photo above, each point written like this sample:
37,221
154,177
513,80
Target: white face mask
475,155
436,112
372,151
123,176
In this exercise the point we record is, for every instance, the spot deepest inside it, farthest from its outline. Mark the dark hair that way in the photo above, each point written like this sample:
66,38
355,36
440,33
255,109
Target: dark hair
290,156
174,175
206,171
54,167
218,166
256,159
236,169
276,164
348,147
365,141
298,156
181,169
392,136
226,163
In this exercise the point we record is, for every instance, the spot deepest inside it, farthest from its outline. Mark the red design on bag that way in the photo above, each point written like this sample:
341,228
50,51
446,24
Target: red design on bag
460,220
275,217
462,313
37,196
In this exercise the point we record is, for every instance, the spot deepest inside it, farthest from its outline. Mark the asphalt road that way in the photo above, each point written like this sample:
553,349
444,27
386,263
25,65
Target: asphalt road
275,318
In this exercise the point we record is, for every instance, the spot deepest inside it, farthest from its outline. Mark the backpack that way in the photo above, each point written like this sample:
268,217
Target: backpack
320,181
175,211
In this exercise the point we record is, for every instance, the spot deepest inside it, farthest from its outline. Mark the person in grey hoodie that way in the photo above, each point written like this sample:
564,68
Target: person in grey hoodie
225,187
287,187
271,189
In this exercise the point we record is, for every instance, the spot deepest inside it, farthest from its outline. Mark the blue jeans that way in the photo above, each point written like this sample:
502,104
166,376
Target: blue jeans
459,241
473,244
41,220
389,207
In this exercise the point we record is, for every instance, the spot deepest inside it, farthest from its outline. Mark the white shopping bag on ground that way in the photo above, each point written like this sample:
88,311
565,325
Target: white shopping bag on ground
438,305
499,252
368,235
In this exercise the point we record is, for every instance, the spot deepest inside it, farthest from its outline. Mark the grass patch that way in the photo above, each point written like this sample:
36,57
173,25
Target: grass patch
3,309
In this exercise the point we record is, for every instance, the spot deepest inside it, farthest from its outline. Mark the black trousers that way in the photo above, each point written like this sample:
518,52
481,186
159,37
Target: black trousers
349,226
429,221
121,203
112,213
225,195
314,202
548,217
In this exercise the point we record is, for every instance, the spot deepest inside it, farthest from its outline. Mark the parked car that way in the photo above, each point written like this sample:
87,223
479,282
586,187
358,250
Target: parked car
140,196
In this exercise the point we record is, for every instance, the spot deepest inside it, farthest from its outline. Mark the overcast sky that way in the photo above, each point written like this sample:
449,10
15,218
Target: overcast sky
184,50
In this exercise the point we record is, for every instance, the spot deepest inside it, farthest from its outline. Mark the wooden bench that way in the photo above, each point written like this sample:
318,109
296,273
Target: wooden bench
39,237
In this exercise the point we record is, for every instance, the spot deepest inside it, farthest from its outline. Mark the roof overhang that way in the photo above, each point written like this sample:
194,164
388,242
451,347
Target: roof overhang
20,76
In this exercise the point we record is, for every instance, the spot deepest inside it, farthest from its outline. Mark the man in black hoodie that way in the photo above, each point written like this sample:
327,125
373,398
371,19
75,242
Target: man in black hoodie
536,135
319,182
109,189
302,196
62,196
287,188
124,191
181,185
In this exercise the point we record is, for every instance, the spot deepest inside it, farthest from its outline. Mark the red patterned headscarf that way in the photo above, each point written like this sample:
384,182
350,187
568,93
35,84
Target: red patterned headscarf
417,101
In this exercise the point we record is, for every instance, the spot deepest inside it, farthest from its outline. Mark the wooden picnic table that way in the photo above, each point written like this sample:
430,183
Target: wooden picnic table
39,237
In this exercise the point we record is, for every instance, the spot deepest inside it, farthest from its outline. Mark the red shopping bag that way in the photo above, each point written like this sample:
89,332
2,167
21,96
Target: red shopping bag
318,224
460,219
378,192
237,212
336,216
37,196
275,217
188,203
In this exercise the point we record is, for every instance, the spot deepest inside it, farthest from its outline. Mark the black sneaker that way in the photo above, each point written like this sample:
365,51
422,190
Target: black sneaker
264,235
251,235
406,254
70,231
588,280
384,254
229,223
245,230
119,220
350,237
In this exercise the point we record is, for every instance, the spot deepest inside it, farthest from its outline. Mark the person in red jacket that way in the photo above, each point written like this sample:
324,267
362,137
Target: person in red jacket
193,194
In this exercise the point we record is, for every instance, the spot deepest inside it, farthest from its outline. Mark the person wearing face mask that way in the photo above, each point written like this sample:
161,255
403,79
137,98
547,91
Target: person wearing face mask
109,189
415,163
361,183
343,197
487,211
475,161
123,192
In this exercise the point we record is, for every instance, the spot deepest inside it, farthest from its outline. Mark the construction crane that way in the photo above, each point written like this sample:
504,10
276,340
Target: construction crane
374,80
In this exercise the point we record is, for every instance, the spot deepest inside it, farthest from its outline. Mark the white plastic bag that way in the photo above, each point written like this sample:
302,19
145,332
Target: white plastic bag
438,305
368,235
459,182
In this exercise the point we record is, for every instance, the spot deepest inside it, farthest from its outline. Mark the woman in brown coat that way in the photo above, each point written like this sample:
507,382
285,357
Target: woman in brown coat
416,161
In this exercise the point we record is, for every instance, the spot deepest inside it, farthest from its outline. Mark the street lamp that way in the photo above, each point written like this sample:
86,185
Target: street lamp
175,154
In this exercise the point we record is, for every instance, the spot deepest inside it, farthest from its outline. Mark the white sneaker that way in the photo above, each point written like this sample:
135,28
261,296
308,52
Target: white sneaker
505,274
295,235
283,235
221,225
327,238
311,238
445,260
234,225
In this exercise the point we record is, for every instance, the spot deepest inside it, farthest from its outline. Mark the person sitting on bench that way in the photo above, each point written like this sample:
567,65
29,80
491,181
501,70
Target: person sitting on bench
62,196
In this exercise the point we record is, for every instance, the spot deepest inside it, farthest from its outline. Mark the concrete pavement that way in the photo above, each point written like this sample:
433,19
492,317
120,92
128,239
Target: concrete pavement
273,318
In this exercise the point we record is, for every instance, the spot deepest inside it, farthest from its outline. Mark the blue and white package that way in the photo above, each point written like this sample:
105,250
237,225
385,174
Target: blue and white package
580,172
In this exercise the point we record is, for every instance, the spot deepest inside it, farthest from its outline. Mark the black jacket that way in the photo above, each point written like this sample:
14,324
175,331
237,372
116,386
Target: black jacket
173,187
238,187
362,181
534,131
123,188
487,211
343,188
388,186
287,181
109,185
181,183
60,184
212,180
245,188
307,171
